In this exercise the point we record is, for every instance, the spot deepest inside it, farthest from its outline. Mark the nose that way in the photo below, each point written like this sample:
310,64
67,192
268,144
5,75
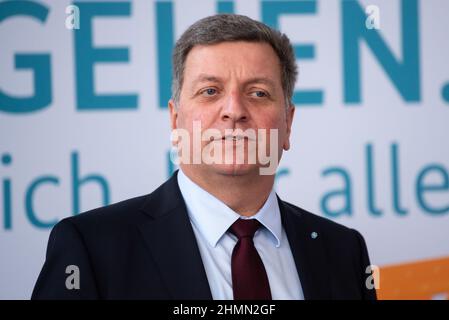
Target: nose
234,109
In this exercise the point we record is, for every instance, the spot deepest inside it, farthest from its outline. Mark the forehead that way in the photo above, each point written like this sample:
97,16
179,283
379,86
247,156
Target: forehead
239,59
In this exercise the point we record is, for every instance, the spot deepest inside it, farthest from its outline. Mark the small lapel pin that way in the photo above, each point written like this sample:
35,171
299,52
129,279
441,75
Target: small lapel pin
314,235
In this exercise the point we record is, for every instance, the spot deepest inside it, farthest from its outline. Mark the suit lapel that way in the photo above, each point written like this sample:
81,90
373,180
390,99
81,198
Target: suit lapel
308,253
171,241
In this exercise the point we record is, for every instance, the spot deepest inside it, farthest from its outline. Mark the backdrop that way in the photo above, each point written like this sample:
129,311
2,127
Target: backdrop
83,121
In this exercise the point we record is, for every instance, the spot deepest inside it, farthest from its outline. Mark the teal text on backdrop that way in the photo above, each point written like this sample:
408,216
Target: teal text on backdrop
403,72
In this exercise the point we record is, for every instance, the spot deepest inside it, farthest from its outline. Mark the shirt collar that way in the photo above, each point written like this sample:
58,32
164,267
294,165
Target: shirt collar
213,218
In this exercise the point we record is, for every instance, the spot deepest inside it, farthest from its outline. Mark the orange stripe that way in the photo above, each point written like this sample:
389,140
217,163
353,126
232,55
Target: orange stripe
427,279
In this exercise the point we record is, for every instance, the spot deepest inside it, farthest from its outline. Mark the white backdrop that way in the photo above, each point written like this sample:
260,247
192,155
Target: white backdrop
45,153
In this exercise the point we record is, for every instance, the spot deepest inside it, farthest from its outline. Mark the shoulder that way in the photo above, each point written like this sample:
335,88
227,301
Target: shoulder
325,227
121,219
343,249
121,214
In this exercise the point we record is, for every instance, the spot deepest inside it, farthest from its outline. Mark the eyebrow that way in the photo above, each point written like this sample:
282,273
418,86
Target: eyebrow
210,78
261,80
206,78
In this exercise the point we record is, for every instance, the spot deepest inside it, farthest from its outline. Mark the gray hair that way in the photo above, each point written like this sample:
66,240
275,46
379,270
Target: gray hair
232,27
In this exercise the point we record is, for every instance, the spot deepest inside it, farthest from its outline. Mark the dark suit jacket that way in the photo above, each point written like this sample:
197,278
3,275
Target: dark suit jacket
145,248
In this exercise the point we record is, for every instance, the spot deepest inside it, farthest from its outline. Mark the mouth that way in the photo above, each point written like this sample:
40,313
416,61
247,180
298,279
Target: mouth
231,137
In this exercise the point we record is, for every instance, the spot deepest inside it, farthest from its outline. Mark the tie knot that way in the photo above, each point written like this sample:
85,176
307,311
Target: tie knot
245,228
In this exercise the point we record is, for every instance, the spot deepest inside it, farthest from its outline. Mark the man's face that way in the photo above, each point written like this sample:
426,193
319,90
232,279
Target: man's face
229,86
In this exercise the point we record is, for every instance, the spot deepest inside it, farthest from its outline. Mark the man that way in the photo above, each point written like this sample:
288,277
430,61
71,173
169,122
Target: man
215,229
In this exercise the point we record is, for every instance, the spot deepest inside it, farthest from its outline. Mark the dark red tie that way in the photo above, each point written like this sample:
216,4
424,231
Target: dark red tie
249,278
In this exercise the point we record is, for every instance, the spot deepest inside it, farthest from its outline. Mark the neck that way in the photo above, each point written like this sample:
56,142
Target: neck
245,194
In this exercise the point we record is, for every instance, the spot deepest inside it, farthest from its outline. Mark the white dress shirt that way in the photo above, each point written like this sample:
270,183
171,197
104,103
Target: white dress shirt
211,219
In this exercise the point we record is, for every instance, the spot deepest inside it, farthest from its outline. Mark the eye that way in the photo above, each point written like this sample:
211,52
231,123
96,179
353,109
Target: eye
209,92
259,94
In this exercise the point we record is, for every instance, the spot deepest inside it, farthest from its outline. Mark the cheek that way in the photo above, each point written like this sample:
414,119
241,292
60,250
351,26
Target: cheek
188,117
272,121
185,117
279,123
205,117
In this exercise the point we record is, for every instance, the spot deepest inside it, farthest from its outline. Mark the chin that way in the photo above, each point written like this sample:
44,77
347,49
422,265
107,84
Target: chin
234,169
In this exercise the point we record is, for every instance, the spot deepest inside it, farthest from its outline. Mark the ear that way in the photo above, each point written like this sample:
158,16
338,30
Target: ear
290,112
173,114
